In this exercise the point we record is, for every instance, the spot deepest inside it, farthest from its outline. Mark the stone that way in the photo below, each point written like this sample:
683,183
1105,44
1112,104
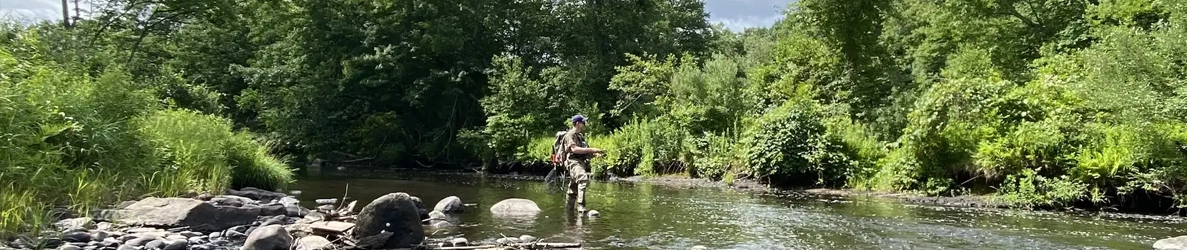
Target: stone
394,213
103,226
313,243
75,224
526,238
296,211
100,236
273,209
257,194
1175,243
272,237
274,220
177,245
196,240
200,247
190,234
330,201
289,201
232,200
330,227
127,247
216,235
459,242
155,244
515,206
77,236
182,212
110,242
699,247
436,216
140,241
594,213
176,237
69,247
451,204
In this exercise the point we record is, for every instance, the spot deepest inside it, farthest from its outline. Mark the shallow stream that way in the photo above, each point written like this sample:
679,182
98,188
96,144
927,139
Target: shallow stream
646,216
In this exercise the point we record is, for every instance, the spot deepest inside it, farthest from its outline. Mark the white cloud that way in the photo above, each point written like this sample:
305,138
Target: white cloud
737,15
740,24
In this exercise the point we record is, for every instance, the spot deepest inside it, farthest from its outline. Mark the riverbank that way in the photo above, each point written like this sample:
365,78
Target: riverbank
256,219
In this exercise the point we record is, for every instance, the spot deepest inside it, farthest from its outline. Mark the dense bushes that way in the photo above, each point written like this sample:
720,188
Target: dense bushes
1075,103
70,139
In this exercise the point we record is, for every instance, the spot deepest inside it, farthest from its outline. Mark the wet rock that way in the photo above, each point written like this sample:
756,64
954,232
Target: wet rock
395,213
459,242
200,247
273,237
313,243
1175,243
451,204
232,200
437,216
274,220
75,224
69,247
257,194
515,206
289,201
215,235
110,242
78,244
196,240
182,212
526,238
190,234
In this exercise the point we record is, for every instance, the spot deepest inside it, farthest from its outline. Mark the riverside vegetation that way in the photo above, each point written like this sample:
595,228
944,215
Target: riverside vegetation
1041,102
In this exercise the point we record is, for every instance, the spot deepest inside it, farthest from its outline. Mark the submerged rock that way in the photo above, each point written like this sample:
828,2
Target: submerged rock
394,213
272,237
182,212
1175,243
515,206
451,204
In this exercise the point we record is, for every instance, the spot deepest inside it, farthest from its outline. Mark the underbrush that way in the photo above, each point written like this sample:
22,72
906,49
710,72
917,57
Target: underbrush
81,142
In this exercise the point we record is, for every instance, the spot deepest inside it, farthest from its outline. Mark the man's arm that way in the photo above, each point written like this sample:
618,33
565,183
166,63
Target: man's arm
583,150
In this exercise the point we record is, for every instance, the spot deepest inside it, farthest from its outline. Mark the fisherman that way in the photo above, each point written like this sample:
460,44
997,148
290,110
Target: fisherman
577,158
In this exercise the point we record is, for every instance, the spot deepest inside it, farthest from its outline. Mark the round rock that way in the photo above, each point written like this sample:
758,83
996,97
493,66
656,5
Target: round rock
451,204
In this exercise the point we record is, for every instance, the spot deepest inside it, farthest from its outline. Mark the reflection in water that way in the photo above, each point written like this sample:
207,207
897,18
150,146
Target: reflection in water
638,216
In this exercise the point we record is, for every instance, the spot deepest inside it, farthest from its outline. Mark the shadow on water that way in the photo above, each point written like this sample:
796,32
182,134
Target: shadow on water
642,216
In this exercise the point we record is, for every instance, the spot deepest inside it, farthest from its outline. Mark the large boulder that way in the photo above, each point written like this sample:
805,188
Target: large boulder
183,212
451,204
271,237
257,194
394,213
1176,243
515,206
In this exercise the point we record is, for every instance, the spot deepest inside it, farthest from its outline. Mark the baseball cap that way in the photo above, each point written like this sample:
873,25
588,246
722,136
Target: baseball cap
578,118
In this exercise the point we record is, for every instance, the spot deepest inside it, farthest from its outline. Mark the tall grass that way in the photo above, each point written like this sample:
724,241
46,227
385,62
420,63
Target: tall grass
72,140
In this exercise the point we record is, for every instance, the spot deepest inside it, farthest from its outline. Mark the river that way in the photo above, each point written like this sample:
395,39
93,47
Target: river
647,216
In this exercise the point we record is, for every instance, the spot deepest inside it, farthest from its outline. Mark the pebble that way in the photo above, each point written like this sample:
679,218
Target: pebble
140,241
699,247
216,235
155,244
128,237
103,226
110,242
526,238
77,236
69,247
99,236
176,237
200,247
459,242
177,245
196,240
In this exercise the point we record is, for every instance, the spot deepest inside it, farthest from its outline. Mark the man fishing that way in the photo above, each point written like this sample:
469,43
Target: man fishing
577,155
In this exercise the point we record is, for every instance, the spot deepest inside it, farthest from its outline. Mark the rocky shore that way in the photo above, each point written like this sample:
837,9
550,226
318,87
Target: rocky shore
255,219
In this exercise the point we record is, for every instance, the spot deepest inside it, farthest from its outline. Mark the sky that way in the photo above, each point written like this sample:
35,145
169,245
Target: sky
734,14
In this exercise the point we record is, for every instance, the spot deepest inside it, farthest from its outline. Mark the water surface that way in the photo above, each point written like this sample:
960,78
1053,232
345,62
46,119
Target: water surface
644,216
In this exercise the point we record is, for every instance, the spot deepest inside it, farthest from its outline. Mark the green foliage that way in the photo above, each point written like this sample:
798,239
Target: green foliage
790,141
83,141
